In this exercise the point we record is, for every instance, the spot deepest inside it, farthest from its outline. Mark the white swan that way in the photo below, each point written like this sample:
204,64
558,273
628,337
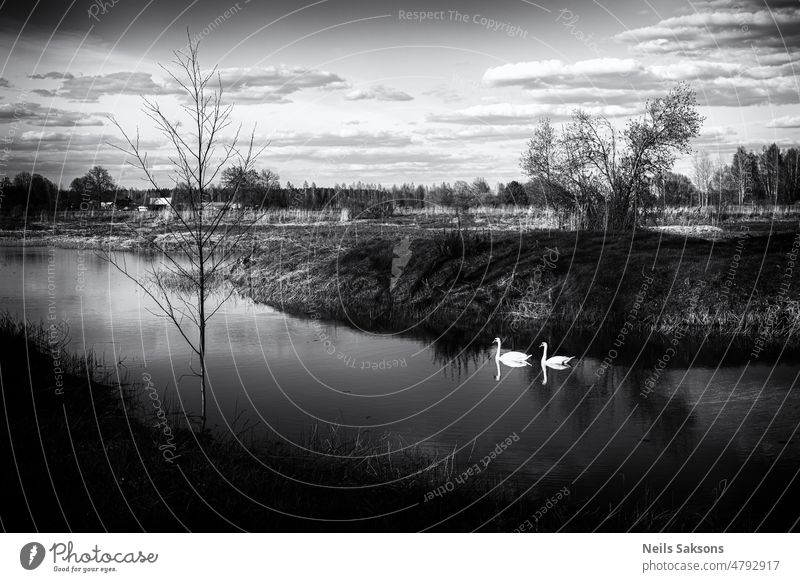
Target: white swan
513,359
554,360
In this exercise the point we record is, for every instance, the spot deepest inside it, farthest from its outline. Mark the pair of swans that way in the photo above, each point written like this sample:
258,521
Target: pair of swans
519,359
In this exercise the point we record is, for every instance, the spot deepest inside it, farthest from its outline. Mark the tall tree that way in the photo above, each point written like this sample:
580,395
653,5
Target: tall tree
203,239
742,174
703,170
791,175
611,169
770,163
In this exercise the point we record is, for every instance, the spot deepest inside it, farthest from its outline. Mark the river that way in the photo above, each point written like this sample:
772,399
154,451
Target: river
697,432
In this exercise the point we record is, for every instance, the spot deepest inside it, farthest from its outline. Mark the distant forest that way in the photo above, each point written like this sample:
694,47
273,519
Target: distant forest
771,176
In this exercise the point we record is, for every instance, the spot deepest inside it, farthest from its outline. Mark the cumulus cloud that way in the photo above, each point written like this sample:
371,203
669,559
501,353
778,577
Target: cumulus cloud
42,140
717,136
378,92
507,113
481,133
273,84
343,138
351,158
90,88
258,85
52,75
613,81
716,26
445,93
785,122
535,74
36,114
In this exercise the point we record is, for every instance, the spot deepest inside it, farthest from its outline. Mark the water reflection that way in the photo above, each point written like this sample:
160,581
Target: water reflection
509,364
546,365
586,423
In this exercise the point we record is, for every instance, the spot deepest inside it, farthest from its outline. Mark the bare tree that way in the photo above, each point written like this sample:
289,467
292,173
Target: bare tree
770,163
201,239
558,176
539,160
623,162
742,174
703,170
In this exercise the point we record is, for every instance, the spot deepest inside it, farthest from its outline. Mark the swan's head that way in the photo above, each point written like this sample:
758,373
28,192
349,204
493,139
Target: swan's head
543,345
496,340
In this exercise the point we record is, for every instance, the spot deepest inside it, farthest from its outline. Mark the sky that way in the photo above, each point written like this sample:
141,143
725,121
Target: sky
386,91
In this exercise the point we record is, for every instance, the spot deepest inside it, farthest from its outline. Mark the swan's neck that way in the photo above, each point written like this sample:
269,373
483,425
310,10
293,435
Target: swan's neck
497,355
544,353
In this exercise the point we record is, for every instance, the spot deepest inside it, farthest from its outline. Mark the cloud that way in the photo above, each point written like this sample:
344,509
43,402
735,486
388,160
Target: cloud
52,75
4,83
445,93
36,114
378,92
716,26
57,141
507,113
344,138
90,88
273,84
785,122
481,133
535,74
613,81
716,136
349,158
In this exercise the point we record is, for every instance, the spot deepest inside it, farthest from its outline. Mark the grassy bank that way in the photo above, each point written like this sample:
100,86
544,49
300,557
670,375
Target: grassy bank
724,272
741,284
120,229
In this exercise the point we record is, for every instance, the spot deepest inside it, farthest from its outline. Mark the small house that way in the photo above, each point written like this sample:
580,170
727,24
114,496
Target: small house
160,203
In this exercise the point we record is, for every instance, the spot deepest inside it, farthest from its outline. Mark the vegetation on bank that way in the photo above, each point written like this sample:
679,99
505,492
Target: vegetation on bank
102,229
741,284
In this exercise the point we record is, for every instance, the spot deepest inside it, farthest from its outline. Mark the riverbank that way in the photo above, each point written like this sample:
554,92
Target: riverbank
742,285
499,274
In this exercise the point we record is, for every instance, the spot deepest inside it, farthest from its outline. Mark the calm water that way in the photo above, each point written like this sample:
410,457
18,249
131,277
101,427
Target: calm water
703,428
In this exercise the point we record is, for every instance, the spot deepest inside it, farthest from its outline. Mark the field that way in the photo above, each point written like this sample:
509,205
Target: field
103,227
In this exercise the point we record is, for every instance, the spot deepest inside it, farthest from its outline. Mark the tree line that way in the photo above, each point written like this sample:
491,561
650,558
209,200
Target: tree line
771,176
608,176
